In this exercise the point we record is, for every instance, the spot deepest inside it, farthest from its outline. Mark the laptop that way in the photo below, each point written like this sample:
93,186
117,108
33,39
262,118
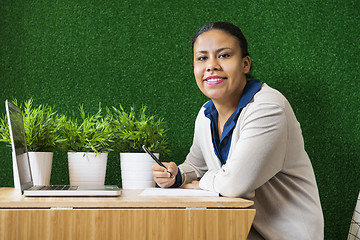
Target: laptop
19,147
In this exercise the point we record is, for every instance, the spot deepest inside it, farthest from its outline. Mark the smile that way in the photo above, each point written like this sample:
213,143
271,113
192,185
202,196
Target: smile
214,80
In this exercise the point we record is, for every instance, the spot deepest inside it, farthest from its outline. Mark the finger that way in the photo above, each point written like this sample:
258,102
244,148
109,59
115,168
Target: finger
169,168
173,168
164,182
161,174
157,167
161,180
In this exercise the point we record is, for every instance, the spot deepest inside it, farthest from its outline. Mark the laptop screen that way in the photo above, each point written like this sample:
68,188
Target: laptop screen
18,143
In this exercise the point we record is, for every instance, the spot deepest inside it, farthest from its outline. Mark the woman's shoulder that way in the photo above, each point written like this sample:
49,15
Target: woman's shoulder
269,95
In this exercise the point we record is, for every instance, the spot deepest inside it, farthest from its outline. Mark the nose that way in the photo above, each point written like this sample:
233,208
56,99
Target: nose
213,65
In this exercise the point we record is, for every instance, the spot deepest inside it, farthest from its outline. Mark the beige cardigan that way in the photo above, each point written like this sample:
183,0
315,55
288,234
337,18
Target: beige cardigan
267,163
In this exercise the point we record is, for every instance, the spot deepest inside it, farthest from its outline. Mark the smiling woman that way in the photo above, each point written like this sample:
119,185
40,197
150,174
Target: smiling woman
247,142
220,69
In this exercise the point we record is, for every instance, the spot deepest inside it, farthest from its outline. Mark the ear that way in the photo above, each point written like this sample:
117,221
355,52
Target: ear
246,63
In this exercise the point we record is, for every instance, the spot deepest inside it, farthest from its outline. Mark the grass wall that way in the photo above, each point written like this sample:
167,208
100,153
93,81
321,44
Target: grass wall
131,52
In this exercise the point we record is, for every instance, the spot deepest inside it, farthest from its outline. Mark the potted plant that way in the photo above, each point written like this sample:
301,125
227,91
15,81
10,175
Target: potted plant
131,130
88,144
42,129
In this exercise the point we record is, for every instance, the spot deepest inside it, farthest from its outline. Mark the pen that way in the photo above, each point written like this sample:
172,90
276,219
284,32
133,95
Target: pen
156,159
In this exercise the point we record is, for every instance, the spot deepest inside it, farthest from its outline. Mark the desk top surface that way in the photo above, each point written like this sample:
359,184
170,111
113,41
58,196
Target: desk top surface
12,198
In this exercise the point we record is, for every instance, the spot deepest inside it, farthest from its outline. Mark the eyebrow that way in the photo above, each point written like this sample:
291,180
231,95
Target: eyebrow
217,51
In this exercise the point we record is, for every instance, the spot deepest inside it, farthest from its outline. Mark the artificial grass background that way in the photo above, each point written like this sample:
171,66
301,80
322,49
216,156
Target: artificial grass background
66,53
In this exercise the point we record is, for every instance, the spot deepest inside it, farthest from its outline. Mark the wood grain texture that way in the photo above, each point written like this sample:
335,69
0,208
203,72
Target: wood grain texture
149,224
126,217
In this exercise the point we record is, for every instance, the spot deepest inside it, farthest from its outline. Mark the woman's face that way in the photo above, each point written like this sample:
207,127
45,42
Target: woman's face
219,67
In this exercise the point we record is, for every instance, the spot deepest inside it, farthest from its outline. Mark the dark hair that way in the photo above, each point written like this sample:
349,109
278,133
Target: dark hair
230,29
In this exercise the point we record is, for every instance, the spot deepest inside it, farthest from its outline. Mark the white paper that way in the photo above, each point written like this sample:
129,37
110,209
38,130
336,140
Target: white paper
177,192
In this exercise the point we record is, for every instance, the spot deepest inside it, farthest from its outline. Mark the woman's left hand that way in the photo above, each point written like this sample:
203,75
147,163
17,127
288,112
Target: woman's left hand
192,185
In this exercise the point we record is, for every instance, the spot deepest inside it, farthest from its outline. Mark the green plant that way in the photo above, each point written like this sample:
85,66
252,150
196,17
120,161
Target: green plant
4,131
91,134
42,125
132,130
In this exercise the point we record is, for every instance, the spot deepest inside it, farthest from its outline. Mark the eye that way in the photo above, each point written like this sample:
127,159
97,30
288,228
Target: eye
202,58
224,55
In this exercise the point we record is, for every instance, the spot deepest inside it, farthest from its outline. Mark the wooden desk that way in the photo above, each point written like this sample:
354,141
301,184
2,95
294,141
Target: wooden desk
126,217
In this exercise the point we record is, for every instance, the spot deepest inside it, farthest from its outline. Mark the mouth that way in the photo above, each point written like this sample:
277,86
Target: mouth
214,80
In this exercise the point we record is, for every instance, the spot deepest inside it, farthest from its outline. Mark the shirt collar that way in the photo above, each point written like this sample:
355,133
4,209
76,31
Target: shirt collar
251,88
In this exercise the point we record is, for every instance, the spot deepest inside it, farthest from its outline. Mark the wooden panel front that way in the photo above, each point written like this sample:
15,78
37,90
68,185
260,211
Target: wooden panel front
125,224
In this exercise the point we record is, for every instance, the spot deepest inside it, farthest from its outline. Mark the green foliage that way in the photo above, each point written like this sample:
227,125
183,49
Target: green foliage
132,130
91,134
118,130
4,131
42,125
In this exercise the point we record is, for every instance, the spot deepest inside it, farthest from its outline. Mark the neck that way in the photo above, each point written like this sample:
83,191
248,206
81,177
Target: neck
225,110
227,106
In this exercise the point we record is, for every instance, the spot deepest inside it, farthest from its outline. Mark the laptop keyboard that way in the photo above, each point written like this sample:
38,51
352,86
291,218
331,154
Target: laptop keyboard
54,187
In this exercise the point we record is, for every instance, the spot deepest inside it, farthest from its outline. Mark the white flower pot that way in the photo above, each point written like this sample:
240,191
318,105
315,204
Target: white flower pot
136,170
87,168
40,165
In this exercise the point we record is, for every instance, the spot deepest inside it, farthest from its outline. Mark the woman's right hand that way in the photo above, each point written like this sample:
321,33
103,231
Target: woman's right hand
162,175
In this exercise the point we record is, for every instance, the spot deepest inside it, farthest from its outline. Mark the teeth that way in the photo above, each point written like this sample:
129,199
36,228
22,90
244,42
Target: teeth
214,79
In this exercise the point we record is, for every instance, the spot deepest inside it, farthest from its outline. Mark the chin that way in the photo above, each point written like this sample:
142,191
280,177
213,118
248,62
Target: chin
213,96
